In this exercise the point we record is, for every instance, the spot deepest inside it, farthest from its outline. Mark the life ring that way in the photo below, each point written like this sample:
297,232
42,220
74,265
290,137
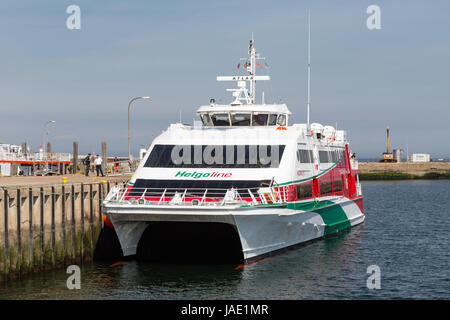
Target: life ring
268,198
276,192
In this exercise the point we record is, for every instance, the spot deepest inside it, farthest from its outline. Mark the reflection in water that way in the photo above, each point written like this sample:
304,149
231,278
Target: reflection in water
305,272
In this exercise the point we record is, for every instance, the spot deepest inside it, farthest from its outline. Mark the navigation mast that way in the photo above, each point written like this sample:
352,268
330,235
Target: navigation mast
249,96
308,103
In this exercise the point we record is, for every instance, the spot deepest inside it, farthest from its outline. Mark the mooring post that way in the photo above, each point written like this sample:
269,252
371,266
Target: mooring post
63,215
5,207
91,215
53,224
105,158
24,149
75,158
73,224
30,225
82,219
100,215
42,223
19,236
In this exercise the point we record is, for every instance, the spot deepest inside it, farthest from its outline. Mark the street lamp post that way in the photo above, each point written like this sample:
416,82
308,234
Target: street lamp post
44,147
129,105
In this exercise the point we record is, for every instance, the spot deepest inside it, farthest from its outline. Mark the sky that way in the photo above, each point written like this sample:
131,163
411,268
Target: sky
362,80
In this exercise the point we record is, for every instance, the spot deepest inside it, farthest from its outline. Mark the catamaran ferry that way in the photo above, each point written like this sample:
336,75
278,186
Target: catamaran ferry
244,183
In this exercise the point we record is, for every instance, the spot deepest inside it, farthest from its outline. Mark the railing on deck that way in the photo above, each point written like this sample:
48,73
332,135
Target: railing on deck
12,156
196,196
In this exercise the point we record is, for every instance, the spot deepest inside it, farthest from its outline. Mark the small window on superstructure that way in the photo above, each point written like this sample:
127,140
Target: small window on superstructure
240,119
281,120
220,119
259,119
304,191
323,157
305,156
272,119
206,120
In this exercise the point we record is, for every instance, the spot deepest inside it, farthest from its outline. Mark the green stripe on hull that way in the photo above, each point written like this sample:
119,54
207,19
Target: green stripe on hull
335,219
310,205
332,214
308,179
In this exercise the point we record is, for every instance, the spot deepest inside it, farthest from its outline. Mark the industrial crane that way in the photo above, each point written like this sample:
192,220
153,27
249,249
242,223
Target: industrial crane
387,156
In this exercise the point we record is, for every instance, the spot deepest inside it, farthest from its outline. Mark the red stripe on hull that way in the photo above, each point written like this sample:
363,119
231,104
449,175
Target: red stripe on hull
359,203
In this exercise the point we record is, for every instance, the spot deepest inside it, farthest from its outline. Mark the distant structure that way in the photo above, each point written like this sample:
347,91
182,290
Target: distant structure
398,155
19,160
387,156
419,157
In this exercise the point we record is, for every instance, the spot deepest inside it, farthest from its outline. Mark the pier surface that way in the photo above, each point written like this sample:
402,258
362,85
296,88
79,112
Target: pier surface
27,181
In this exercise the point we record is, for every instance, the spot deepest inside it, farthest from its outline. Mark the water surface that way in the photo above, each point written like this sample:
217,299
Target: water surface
406,233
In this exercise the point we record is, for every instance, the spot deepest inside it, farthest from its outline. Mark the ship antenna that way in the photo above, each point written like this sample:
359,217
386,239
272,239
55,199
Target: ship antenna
252,54
249,96
308,103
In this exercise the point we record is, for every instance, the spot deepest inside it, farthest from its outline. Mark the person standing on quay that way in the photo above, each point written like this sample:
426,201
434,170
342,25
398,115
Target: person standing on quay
92,163
98,165
87,164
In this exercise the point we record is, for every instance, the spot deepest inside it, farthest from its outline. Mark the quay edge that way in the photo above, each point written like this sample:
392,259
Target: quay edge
48,227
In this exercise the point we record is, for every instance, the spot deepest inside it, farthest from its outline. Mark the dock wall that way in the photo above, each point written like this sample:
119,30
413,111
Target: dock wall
47,227
404,170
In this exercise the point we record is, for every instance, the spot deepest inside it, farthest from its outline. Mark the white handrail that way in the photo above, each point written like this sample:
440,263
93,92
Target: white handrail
257,195
204,196
162,196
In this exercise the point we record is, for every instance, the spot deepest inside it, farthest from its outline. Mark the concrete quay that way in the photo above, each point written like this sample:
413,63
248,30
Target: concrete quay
27,181
47,224
407,170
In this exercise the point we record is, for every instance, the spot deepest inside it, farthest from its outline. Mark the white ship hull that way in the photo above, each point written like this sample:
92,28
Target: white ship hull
261,230
244,173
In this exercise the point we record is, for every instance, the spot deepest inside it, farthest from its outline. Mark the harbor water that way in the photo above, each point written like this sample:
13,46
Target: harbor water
406,234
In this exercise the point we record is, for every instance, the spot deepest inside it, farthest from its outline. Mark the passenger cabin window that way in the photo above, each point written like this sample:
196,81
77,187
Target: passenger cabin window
305,156
272,119
333,156
325,187
304,191
217,156
337,186
259,119
206,120
210,119
323,157
281,120
240,119
220,119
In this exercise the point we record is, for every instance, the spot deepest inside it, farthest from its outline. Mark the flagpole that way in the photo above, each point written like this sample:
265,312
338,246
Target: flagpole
308,74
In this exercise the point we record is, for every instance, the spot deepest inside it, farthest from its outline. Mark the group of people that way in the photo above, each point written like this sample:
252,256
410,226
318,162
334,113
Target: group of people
98,165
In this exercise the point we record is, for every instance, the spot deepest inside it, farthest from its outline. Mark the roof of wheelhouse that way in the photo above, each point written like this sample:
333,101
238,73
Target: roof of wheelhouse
245,108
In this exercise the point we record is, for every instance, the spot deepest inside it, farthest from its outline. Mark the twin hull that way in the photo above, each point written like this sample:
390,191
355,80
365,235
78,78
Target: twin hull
262,229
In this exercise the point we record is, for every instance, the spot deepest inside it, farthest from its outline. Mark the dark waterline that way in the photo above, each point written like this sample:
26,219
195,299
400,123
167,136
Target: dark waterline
406,233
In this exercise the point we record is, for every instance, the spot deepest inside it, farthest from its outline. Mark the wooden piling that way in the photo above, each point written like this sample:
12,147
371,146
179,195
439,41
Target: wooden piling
75,157
46,229
104,157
